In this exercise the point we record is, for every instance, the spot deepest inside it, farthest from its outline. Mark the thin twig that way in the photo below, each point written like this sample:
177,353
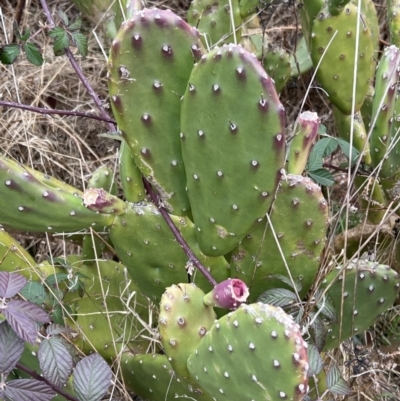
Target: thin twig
46,111
36,376
189,253
78,71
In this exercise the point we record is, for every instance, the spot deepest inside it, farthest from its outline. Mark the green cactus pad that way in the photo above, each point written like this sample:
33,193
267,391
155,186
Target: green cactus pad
233,146
145,244
150,62
299,219
101,316
384,151
131,177
394,21
103,177
255,353
152,378
276,62
306,130
336,56
33,205
183,321
368,290
214,20
14,258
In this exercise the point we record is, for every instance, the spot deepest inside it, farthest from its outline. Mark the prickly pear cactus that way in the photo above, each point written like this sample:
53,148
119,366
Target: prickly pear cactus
254,353
276,62
333,46
233,146
294,241
183,321
34,204
360,293
146,246
151,59
214,21
385,151
394,21
306,130
152,378
100,314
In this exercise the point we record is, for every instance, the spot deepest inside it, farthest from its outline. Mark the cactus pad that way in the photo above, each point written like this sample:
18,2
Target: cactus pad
184,320
233,149
369,289
34,205
150,63
336,56
299,218
254,353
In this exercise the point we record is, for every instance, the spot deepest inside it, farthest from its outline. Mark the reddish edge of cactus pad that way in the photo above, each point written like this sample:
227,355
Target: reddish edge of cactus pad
229,294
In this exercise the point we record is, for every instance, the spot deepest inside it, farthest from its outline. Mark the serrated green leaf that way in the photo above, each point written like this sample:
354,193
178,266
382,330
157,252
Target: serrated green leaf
278,297
326,307
11,348
63,17
323,148
335,383
34,292
345,147
8,53
92,378
81,42
61,40
75,25
322,177
314,359
25,35
16,30
56,278
33,54
319,330
55,360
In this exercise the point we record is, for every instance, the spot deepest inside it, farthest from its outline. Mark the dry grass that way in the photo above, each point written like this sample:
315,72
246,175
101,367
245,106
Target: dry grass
70,149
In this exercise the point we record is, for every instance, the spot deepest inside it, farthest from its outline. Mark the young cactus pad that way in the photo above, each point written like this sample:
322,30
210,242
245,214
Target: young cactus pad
255,353
184,320
233,146
150,62
33,205
299,219
369,289
333,44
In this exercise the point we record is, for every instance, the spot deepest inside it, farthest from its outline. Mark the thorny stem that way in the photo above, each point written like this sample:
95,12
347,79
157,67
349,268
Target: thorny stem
79,72
155,198
45,111
36,376
189,253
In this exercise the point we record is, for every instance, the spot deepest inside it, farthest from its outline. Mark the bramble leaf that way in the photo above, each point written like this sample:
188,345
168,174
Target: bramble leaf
92,378
335,383
34,292
11,284
28,390
61,40
81,42
33,54
11,348
322,177
8,53
55,360
75,25
278,297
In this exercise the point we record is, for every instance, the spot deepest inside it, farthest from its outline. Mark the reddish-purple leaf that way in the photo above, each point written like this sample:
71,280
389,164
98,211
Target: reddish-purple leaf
92,378
21,323
28,390
55,361
11,284
30,310
11,348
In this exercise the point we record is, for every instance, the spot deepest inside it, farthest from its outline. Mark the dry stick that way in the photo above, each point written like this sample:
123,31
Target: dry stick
46,111
189,253
36,376
151,192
